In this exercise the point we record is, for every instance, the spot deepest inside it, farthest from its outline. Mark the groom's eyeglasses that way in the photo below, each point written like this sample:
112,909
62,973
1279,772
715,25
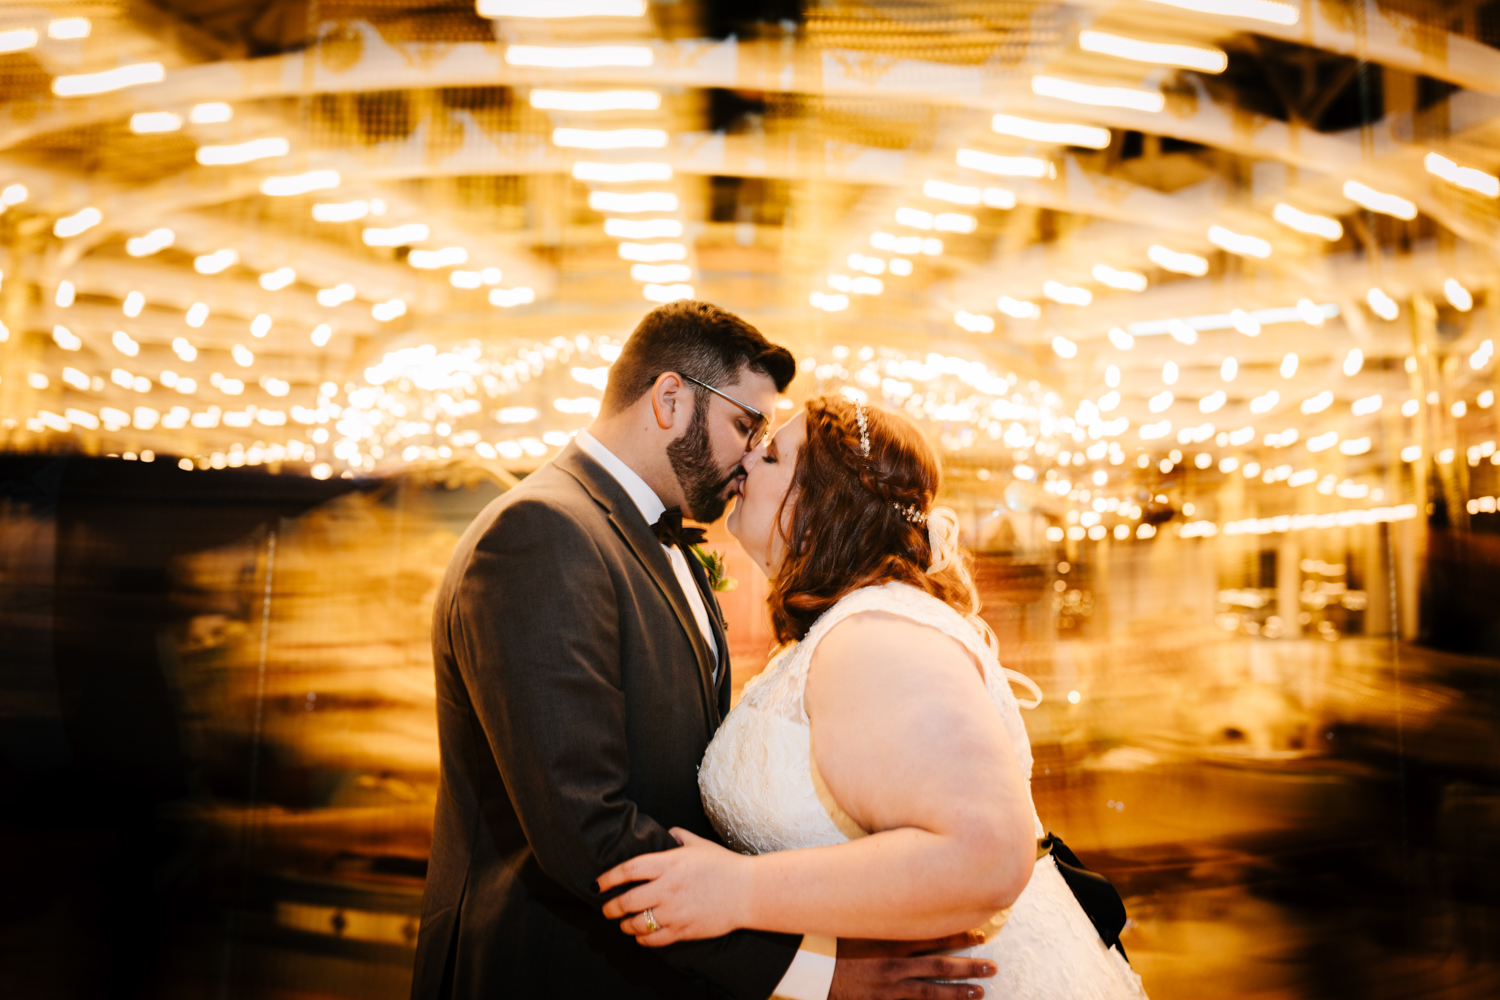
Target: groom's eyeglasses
758,424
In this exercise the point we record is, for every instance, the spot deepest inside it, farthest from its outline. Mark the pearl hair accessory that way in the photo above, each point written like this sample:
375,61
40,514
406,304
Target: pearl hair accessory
864,428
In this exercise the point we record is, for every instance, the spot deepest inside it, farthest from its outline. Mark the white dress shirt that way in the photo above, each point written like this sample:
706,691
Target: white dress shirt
810,976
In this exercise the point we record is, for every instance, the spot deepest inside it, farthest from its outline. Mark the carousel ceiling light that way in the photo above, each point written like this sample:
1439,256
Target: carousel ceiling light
1097,95
1129,281
153,242
1182,332
660,273
651,253
242,355
1004,166
1160,401
999,198
65,294
69,27
1318,403
828,303
431,260
1481,357
1354,361
18,40
1353,446
1366,405
1244,323
1310,312
507,298
1063,347
954,222
869,265
1169,373
340,211
622,173
395,236
313,180
1410,408
321,334
667,293
642,229
1178,263
1112,376
336,296
196,315
465,279
1306,222
66,339
1289,364
613,138
1238,243
1018,308
183,349
210,113
275,281
260,325
644,201
151,122
78,380
958,194
1229,369
578,57
1087,136
1379,201
1067,295
125,344
1121,339
1382,304
1458,296
1209,60
213,263
1468,178
384,312
914,217
595,100
561,8
134,303
1256,10
973,322
72,225
86,84
900,266
1264,404
13,194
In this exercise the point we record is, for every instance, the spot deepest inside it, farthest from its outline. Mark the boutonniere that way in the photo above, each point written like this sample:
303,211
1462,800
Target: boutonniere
713,565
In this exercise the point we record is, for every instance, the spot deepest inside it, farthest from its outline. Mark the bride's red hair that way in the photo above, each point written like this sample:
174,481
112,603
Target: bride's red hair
845,531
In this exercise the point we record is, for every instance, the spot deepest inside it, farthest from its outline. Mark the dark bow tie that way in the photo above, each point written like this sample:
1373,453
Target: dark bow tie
669,530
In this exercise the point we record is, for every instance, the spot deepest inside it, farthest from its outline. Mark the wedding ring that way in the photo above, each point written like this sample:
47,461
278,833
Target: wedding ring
651,925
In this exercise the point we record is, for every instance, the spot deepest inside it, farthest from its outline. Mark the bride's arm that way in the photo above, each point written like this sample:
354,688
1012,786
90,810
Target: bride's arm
909,743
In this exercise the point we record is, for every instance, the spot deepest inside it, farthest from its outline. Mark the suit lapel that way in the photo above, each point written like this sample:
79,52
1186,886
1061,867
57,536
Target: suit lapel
627,519
718,625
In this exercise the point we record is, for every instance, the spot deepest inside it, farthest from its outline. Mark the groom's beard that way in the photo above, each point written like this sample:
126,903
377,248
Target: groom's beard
704,485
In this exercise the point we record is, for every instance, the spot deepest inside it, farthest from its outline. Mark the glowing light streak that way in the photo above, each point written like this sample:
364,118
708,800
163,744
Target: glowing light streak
619,138
1087,136
213,263
1238,243
642,229
1179,263
210,113
595,100
395,236
429,260
645,201
72,225
1306,222
508,298
1382,304
243,152
1003,166
1209,60
153,242
86,84
1231,321
1018,308
1129,281
1097,95
1379,201
275,281
651,253
313,180
1067,295
973,322
1458,296
1469,178
152,122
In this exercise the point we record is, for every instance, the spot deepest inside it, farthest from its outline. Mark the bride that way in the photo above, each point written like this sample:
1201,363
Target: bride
876,776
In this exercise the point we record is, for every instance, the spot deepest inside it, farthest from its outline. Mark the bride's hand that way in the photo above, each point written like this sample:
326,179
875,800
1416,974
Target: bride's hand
697,891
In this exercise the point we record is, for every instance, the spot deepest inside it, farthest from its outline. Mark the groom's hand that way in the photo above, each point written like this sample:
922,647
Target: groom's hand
904,970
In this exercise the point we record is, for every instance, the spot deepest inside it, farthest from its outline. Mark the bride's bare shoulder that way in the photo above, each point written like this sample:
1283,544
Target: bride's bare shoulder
871,643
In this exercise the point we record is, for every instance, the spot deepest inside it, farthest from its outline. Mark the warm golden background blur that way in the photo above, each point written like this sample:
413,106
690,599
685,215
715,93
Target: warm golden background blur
1196,298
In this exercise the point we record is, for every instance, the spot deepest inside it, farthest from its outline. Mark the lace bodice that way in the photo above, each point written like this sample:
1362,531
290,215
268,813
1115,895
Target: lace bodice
762,790
758,779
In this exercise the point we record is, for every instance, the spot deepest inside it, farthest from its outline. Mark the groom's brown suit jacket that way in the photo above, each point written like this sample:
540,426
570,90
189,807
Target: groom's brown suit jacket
575,699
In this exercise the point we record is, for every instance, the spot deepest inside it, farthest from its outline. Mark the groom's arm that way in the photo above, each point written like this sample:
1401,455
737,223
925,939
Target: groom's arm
536,635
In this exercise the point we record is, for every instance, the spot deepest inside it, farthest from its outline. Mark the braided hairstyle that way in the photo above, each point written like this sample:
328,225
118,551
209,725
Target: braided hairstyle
845,531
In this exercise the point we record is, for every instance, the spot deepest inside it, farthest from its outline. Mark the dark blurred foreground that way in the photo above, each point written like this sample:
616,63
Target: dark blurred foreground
219,758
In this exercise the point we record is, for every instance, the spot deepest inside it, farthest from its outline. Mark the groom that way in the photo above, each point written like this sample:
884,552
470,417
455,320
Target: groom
582,669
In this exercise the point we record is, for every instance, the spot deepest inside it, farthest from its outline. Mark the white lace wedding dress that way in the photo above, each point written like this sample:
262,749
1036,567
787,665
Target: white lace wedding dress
763,793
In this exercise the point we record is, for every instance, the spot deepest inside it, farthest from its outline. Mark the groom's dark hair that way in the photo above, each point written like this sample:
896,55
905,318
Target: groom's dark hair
697,339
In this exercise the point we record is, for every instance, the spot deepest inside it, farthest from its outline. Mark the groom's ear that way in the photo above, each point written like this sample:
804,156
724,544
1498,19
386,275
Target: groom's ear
668,400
